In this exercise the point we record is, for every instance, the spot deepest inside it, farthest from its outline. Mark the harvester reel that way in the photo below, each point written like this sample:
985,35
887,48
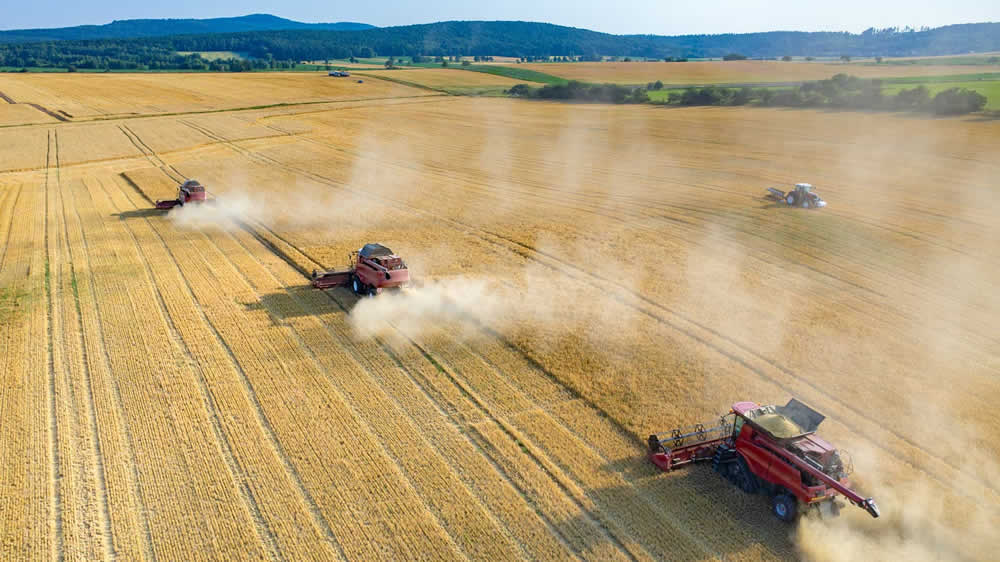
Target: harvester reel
675,434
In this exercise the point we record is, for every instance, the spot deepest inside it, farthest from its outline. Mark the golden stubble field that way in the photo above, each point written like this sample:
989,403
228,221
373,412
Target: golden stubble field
173,389
737,72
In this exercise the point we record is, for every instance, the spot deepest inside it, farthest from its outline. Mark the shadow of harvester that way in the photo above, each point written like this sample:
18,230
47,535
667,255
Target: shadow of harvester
140,213
689,514
301,301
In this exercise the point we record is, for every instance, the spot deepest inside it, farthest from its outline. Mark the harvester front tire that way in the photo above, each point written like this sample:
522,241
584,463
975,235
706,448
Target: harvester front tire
740,475
356,285
790,199
805,203
784,507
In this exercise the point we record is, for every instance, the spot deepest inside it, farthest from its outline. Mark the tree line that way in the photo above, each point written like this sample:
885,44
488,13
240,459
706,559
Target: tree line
841,91
524,40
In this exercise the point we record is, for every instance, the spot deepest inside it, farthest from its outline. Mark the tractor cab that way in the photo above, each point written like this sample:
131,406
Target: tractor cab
803,187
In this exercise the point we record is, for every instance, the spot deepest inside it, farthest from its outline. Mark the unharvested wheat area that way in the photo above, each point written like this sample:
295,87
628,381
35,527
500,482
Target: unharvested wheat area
174,389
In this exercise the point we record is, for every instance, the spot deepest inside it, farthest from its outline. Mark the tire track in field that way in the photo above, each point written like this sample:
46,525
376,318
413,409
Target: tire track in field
55,477
421,384
483,444
90,407
363,422
633,481
595,207
236,471
664,517
359,363
168,412
10,225
116,399
150,154
83,414
264,422
677,321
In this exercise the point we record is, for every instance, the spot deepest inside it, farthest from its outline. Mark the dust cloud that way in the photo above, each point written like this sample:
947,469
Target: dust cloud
412,313
918,523
301,207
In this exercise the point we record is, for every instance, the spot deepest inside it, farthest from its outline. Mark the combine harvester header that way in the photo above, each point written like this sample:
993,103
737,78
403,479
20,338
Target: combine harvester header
769,449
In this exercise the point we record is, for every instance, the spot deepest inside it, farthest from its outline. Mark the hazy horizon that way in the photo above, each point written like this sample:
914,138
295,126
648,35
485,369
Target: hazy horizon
630,17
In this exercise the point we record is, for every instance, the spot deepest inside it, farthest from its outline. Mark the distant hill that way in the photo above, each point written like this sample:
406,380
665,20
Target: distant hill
504,38
127,29
517,38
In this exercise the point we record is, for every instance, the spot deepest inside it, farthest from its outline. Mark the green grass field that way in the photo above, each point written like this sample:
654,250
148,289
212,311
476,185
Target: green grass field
987,84
988,88
977,59
516,73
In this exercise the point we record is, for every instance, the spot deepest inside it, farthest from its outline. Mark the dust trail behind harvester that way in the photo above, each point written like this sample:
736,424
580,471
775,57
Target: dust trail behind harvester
415,312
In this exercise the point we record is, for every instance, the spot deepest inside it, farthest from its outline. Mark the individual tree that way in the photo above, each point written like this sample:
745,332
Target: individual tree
786,58
734,56
878,60
845,58
390,63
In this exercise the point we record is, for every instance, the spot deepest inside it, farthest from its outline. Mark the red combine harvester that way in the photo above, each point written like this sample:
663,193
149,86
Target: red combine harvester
767,449
188,192
374,268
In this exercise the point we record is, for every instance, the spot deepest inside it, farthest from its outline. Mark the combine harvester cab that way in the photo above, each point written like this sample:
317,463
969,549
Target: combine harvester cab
188,192
768,449
374,269
802,196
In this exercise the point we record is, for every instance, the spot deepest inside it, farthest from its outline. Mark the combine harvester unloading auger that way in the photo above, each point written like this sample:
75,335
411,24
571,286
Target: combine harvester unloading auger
374,269
767,449
801,196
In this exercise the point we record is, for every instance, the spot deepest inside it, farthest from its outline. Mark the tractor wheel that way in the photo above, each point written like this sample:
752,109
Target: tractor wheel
790,199
805,203
356,285
784,507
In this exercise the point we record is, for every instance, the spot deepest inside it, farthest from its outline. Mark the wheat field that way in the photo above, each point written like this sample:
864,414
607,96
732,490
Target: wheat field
174,389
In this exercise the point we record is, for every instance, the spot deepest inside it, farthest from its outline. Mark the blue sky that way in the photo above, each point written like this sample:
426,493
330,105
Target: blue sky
663,17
